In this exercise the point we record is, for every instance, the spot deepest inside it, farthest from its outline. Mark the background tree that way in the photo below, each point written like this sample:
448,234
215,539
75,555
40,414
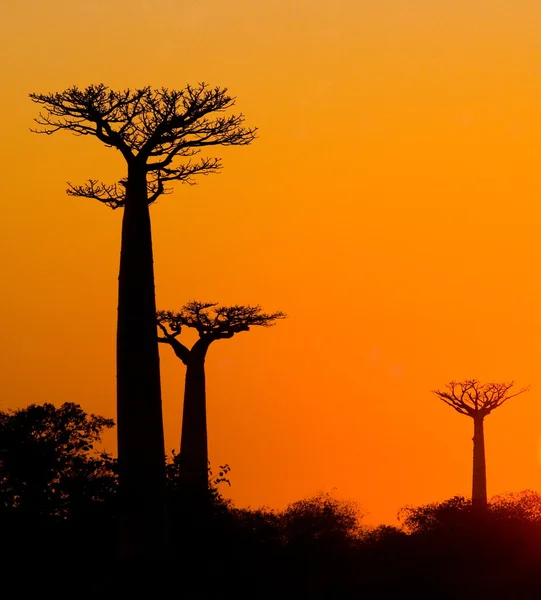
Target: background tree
477,400
153,130
212,322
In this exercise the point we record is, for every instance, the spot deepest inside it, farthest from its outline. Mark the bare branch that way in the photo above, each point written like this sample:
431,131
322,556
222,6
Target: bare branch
151,122
185,172
92,111
166,333
218,322
114,195
153,129
170,337
110,195
472,398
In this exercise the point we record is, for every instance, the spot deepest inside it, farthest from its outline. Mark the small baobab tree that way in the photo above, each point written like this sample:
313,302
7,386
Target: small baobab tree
477,400
212,322
159,133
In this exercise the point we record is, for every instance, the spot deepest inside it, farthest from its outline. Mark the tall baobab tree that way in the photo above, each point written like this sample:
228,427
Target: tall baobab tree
159,134
212,322
477,400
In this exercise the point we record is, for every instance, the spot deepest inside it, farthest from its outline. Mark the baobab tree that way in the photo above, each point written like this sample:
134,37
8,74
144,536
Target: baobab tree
212,322
159,134
477,400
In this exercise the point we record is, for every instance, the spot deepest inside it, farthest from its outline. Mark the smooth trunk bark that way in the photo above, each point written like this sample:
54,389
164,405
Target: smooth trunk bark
141,452
479,483
193,441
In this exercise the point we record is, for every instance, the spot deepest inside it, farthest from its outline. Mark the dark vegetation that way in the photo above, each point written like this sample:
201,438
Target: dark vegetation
57,511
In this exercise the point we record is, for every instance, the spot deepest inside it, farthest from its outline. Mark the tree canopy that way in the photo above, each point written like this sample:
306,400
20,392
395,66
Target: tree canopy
214,321
160,130
471,398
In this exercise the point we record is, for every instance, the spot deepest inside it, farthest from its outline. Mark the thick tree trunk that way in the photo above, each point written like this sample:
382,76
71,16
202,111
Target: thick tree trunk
479,483
141,452
193,441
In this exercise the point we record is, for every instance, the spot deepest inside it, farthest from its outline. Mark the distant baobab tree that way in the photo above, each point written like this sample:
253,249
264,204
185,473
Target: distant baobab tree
477,400
158,132
212,322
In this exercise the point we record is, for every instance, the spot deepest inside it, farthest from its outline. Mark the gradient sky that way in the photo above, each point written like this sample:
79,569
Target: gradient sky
390,206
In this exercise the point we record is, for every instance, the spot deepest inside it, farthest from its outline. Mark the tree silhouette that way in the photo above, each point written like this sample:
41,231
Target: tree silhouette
477,400
48,465
212,322
152,129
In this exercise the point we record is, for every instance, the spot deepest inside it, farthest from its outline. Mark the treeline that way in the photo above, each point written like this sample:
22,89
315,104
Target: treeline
57,513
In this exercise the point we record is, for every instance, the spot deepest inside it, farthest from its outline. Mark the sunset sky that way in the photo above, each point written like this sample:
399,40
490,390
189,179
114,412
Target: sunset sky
390,206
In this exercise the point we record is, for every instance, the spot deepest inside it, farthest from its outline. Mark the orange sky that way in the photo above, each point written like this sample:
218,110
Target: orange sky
390,206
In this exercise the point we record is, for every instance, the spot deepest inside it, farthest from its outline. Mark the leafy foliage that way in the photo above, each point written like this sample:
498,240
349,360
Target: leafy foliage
174,479
321,519
48,465
436,516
